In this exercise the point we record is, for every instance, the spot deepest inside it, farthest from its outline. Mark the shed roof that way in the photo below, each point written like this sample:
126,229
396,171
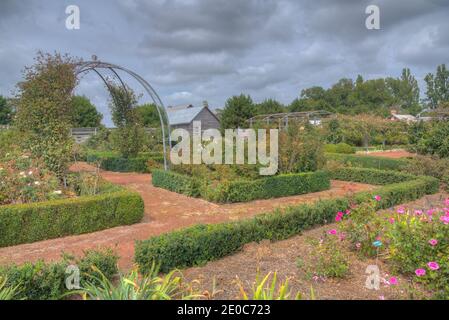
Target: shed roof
179,115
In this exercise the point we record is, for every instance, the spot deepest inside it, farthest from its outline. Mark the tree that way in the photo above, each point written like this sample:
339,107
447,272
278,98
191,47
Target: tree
129,136
148,115
44,110
6,111
269,106
85,114
405,91
237,111
437,87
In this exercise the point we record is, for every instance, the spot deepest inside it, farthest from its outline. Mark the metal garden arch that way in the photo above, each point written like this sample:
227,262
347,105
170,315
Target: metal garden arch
84,67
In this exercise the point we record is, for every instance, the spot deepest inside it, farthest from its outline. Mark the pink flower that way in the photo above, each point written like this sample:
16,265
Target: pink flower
400,210
420,272
430,212
433,242
418,212
337,218
381,297
340,214
342,236
433,265
444,219
446,202
391,220
377,198
393,281
358,245
347,212
332,232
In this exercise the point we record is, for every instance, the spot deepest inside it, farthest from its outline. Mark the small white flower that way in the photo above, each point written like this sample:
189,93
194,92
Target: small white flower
22,173
57,192
30,173
37,183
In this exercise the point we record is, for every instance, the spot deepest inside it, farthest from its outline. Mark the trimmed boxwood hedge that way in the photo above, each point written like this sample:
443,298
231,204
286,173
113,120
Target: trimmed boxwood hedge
370,176
111,162
380,163
24,223
201,243
243,190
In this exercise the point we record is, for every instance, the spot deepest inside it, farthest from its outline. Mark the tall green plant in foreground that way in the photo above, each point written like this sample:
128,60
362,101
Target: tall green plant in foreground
44,109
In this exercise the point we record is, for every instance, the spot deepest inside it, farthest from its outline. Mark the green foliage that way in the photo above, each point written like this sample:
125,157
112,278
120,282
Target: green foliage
327,259
437,87
380,163
300,149
429,166
436,140
110,161
242,190
84,113
264,290
370,176
201,243
373,96
6,111
6,292
148,115
129,136
134,287
44,109
339,148
237,111
25,223
46,281
268,106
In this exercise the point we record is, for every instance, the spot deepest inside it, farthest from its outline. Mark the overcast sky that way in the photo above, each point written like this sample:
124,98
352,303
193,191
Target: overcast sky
192,50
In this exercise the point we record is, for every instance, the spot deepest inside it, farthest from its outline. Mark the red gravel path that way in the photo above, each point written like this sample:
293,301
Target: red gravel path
164,211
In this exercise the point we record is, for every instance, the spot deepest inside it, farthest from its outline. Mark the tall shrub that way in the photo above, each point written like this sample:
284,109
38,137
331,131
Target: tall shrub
44,109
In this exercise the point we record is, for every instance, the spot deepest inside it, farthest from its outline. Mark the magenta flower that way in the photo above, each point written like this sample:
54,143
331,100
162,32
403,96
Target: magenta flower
337,218
391,220
420,272
377,198
418,212
393,281
444,219
446,202
358,245
433,242
400,210
430,212
347,212
332,232
433,265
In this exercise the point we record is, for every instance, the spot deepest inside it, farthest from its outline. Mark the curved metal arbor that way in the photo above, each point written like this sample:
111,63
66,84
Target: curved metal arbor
84,67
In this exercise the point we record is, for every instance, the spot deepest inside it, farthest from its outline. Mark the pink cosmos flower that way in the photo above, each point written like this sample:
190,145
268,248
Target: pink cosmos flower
337,218
393,281
420,272
418,212
433,242
332,232
377,198
433,265
446,202
391,220
340,214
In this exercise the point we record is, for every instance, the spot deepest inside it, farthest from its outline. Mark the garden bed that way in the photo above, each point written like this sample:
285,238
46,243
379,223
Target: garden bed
198,244
111,161
243,190
381,163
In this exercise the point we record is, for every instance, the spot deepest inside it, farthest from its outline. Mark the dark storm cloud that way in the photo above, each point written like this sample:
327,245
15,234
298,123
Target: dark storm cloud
193,50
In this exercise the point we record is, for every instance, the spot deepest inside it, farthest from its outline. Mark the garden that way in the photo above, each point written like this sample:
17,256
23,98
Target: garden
297,251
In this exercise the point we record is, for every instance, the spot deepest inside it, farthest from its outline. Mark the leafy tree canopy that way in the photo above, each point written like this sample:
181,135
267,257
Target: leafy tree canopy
85,114
6,111
237,111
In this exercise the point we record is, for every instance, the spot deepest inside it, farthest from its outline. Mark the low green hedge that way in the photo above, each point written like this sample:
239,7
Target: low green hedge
201,243
46,281
272,187
112,162
243,190
339,148
370,176
24,223
380,163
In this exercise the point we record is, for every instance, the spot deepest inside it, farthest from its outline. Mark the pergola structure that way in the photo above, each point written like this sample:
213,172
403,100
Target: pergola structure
282,119
97,66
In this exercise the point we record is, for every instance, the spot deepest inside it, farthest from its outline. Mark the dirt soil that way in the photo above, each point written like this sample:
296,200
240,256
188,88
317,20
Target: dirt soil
282,257
164,211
